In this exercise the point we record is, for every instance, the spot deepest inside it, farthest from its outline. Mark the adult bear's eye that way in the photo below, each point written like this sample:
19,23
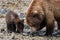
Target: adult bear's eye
35,15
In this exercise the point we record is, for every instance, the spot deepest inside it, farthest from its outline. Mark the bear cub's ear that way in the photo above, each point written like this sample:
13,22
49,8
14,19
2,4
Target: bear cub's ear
22,20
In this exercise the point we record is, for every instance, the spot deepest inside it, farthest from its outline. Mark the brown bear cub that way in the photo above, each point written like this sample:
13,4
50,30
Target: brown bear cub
43,13
13,22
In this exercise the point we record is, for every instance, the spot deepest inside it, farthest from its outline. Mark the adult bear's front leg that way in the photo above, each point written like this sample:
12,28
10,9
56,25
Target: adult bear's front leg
49,23
49,29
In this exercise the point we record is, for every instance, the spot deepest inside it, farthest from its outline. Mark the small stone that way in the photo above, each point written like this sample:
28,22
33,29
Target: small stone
12,36
2,30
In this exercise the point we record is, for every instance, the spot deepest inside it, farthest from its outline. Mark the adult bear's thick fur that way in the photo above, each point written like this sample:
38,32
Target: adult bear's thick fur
43,13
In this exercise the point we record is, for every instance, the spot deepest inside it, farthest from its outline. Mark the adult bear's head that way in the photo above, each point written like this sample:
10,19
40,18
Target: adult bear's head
35,20
35,15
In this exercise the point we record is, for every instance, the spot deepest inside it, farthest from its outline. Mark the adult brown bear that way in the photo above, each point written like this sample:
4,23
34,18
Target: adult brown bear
43,13
13,22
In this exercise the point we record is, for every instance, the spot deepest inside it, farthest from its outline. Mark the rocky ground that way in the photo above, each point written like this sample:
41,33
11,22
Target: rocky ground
15,5
18,6
16,36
